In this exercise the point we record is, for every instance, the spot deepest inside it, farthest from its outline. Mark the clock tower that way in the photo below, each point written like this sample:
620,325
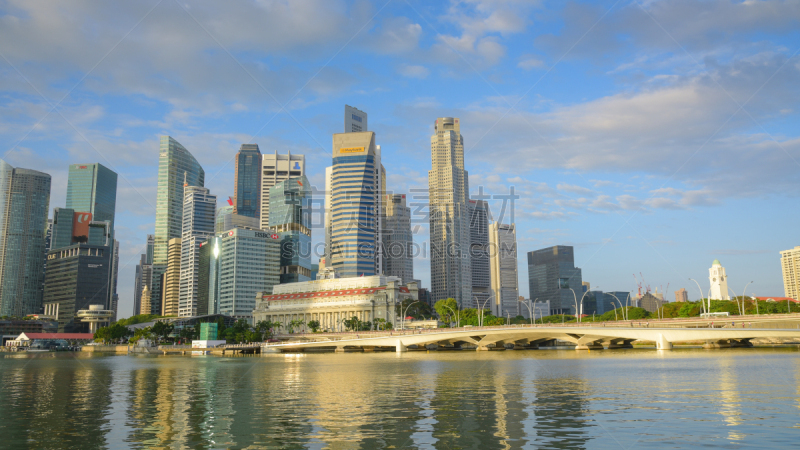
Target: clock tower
719,281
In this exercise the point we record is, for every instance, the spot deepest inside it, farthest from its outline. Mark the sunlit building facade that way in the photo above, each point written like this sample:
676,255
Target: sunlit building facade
247,182
289,215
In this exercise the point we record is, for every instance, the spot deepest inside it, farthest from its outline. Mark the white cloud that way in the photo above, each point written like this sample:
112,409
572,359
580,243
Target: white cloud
413,71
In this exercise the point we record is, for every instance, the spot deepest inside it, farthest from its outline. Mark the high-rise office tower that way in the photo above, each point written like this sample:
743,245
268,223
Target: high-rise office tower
448,186
479,253
175,166
146,302
24,206
328,215
276,168
92,188
114,277
503,262
289,217
553,277
243,262
199,207
355,121
397,238
144,275
247,180
355,205
77,276
170,297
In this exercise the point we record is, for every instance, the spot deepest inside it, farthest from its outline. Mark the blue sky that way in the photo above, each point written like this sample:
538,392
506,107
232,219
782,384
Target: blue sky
654,136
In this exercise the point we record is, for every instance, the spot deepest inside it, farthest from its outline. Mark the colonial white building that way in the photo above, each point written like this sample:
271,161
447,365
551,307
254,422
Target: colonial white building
719,282
332,301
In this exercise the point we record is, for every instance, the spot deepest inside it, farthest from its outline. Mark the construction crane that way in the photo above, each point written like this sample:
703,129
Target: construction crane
639,284
646,286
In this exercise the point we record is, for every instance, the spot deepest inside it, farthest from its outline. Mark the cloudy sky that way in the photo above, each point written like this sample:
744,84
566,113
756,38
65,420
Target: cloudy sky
654,136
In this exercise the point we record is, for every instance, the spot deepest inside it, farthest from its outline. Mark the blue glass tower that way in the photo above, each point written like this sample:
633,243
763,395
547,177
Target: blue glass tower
355,196
247,193
24,204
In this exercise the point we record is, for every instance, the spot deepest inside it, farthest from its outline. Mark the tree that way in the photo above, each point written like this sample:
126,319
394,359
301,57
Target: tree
112,333
296,323
314,325
447,308
162,330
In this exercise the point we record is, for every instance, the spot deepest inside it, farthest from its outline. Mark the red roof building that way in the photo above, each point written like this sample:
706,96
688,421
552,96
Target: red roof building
777,299
54,336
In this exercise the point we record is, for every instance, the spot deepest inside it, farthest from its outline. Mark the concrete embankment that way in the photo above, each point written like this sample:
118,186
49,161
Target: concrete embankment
105,348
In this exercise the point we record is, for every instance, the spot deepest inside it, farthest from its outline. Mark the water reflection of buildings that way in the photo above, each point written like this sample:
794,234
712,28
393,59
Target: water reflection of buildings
560,410
729,399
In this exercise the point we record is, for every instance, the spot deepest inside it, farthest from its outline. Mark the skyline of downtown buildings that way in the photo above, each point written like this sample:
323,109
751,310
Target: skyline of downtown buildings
362,212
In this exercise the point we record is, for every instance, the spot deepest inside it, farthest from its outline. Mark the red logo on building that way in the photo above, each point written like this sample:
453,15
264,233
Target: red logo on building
230,233
82,167
274,236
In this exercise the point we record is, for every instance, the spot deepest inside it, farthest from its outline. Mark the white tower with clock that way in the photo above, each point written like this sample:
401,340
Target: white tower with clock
719,281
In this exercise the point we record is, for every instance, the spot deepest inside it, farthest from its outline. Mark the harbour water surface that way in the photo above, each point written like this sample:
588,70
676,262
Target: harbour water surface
685,398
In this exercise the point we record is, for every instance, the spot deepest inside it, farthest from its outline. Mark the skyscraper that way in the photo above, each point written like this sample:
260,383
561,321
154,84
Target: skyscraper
503,262
355,121
144,276
248,261
170,297
77,276
355,205
175,166
247,180
790,266
289,217
227,219
479,253
448,186
397,238
199,207
552,276
92,188
24,206
277,168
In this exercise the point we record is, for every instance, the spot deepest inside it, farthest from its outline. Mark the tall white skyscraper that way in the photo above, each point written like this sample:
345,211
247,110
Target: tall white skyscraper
503,262
790,266
448,186
274,169
199,208
355,121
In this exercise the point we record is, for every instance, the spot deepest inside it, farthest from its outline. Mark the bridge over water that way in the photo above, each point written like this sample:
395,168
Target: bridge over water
530,337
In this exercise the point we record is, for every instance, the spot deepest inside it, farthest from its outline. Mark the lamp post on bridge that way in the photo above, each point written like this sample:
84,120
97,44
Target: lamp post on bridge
620,307
702,302
403,324
578,311
743,290
532,313
480,324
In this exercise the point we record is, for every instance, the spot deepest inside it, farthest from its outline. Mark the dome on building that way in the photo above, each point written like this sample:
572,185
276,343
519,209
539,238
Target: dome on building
716,263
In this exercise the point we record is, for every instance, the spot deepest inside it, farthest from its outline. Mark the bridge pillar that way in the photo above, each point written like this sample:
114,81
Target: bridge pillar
589,346
662,343
399,347
339,349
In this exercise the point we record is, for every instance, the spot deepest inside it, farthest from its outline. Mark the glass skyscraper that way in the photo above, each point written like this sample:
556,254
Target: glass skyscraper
93,188
24,206
355,199
199,207
247,180
175,166
551,275
289,215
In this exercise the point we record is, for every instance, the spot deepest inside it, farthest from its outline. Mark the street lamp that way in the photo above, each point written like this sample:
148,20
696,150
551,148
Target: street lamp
531,313
403,325
620,307
480,324
578,312
745,288
701,294
454,313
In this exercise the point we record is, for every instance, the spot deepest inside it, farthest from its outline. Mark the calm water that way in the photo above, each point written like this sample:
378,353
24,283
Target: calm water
732,398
